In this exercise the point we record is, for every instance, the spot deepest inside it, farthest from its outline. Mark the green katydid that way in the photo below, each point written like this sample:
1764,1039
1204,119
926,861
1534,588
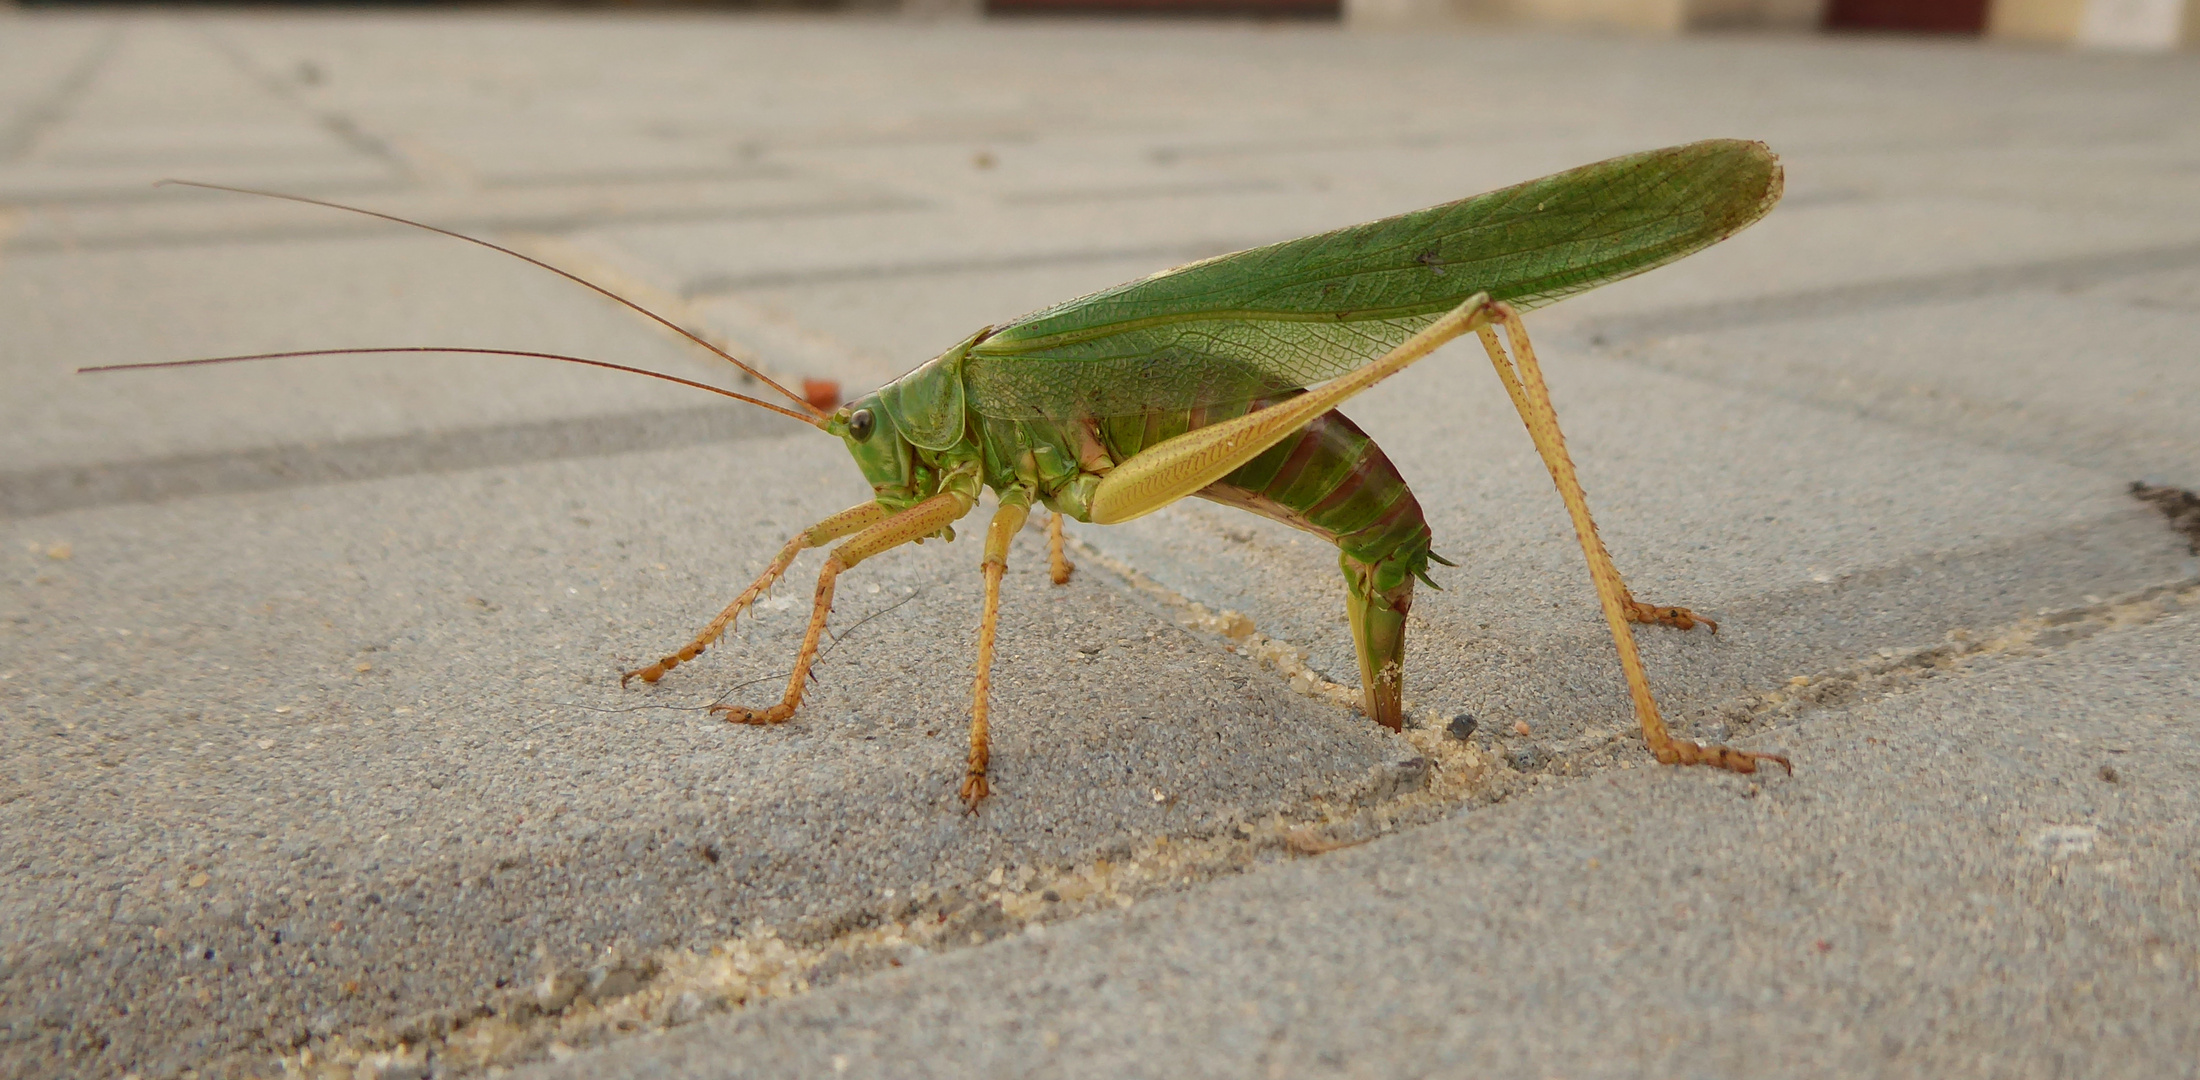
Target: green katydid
1219,379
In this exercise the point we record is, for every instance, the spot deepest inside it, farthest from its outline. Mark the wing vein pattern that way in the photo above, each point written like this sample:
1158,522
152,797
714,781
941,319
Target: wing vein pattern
1290,315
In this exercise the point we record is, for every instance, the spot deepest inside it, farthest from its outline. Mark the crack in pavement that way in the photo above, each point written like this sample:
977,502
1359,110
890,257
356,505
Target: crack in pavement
600,214
1863,297
34,492
17,138
565,1011
2180,506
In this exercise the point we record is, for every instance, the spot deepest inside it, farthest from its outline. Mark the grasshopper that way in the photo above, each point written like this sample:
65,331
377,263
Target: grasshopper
1221,379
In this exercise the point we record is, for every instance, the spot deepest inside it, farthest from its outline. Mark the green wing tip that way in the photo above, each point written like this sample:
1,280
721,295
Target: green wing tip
1776,184
1749,182
1755,157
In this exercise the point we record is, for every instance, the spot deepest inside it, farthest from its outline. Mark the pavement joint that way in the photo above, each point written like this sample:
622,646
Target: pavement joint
566,1011
2066,273
59,488
2181,507
16,139
606,213
317,758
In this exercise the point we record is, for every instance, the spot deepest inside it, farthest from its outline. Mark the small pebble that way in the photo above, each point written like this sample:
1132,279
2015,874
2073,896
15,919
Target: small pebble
1461,727
1520,728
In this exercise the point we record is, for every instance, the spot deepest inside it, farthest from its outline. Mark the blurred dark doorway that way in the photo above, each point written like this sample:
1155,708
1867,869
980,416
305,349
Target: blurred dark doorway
1923,16
1266,9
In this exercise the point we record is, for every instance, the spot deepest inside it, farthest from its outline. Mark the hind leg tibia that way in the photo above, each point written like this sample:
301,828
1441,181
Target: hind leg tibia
1523,379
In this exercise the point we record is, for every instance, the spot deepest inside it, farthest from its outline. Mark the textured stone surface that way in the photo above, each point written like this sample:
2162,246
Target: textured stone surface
1951,887
307,672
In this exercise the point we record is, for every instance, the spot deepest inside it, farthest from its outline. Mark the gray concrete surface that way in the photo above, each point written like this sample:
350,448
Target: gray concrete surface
1951,889
317,758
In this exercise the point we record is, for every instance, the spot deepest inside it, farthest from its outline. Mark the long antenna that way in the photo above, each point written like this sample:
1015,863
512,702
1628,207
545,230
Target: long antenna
816,415
780,409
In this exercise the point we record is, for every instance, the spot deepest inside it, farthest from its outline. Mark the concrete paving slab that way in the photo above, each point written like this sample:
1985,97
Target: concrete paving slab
40,72
492,543
863,328
161,98
2094,374
1990,877
165,304
1809,535
280,748
150,217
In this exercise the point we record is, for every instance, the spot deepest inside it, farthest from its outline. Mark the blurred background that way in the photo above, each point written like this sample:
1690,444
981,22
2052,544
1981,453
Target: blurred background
2120,24
349,628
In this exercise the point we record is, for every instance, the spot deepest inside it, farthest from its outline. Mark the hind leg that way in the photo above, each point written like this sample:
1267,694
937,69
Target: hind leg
1523,379
1679,618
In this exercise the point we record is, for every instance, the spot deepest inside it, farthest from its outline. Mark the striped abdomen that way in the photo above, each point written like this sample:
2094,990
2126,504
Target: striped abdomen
1327,478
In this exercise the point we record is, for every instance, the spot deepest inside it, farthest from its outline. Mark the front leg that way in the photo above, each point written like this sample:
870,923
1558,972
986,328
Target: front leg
818,535
919,521
1679,618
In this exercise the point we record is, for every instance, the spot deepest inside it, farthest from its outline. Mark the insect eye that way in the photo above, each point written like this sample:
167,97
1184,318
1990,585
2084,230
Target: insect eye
859,425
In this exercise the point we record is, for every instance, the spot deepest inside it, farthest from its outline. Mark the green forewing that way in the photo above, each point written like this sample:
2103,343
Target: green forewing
1294,314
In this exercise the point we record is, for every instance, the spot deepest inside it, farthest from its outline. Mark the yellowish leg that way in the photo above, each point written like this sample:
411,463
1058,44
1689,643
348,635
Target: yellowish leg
1058,564
1173,468
1679,618
818,535
915,523
1533,401
1636,611
1007,521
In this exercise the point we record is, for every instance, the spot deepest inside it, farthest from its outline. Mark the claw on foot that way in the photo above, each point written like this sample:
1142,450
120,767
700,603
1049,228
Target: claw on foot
974,790
1058,564
1679,618
1683,752
736,714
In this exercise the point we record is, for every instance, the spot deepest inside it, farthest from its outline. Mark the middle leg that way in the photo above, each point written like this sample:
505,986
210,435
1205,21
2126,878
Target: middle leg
1058,564
1007,521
